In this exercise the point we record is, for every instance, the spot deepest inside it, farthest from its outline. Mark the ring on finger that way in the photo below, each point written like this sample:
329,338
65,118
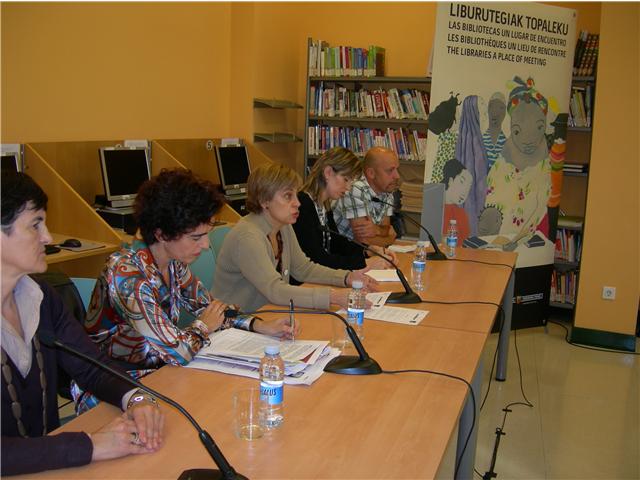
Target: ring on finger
136,439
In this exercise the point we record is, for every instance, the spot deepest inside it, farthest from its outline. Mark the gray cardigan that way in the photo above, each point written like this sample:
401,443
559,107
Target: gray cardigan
246,272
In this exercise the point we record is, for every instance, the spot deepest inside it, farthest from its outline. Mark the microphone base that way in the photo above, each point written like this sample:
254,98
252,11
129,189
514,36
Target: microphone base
207,474
404,297
436,256
353,365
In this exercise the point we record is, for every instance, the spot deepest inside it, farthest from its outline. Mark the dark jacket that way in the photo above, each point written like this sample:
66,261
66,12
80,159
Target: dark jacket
342,252
37,453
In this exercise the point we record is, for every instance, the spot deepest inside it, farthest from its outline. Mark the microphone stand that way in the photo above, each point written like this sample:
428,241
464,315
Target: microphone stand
226,471
408,296
361,364
437,253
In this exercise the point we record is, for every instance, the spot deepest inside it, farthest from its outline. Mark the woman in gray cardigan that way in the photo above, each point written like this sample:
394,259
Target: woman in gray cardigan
261,252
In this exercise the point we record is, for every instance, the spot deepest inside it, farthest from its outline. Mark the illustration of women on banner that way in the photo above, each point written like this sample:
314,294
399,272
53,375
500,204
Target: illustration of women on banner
519,183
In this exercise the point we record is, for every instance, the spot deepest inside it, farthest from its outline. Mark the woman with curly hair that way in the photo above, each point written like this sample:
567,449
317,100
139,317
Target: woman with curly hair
134,310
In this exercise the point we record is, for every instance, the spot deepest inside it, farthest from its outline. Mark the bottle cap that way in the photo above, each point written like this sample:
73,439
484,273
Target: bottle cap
357,284
453,222
422,243
273,349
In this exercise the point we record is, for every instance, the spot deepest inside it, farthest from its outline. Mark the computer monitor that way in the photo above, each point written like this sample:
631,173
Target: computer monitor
11,157
10,162
233,168
123,171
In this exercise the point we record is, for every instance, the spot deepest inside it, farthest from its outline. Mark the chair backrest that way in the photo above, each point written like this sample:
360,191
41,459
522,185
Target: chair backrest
85,289
204,267
216,239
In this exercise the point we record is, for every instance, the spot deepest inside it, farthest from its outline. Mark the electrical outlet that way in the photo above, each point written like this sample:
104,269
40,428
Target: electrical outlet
609,293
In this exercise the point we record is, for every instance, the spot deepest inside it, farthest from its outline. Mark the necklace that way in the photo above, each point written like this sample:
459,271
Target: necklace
16,408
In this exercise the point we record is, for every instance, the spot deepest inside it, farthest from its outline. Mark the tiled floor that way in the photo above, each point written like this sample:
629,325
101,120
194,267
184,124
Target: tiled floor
585,420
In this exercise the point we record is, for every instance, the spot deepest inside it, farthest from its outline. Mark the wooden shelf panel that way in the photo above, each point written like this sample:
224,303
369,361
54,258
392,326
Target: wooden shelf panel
422,80
274,103
276,137
565,306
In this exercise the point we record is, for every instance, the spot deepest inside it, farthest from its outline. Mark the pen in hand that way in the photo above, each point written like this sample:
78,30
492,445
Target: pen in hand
292,320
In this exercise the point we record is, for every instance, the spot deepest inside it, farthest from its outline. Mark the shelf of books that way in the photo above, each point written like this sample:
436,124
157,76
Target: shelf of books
567,255
351,104
568,248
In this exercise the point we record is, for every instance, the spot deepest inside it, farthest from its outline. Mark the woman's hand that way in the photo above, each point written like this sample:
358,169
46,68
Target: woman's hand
368,283
377,263
213,315
280,327
116,439
385,252
149,422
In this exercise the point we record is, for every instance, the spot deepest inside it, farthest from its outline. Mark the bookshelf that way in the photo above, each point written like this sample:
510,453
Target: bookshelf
361,111
566,272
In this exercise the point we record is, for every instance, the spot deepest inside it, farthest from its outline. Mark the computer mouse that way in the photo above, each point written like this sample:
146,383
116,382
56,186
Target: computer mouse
50,249
71,243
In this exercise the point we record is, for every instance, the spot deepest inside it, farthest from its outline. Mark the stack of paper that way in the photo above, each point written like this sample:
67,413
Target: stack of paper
238,352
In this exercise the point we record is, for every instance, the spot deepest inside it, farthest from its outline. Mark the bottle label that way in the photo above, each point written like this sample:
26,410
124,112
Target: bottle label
419,266
355,316
271,394
452,241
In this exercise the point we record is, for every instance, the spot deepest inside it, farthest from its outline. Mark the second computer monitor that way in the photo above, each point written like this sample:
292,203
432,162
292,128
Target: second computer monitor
123,171
234,169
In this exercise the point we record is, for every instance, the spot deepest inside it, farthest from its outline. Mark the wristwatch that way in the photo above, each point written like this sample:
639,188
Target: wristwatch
141,396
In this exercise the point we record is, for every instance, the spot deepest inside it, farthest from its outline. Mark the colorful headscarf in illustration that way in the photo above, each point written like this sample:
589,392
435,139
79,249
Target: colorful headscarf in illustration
526,92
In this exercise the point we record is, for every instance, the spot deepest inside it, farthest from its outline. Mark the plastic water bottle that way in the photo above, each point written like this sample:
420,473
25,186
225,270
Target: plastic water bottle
452,238
271,388
355,310
418,266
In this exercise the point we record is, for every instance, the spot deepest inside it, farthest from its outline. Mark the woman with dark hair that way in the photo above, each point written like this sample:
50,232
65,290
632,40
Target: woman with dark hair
330,178
261,252
135,307
29,367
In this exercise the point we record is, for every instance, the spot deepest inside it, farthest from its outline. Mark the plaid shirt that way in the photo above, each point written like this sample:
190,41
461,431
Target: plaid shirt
133,315
357,203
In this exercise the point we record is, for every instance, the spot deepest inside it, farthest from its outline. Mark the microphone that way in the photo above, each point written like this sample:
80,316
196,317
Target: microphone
226,471
361,364
437,253
409,296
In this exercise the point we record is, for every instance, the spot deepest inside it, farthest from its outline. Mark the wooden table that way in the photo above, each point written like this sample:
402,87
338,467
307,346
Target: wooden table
67,255
384,426
463,281
393,426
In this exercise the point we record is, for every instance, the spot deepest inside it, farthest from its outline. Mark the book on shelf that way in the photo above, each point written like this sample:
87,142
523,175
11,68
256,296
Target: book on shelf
563,287
568,247
586,54
407,144
345,61
331,99
575,168
580,106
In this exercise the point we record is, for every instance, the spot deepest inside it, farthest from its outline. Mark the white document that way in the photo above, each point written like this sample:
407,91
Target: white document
405,316
378,299
388,275
238,352
236,343
402,248
306,376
